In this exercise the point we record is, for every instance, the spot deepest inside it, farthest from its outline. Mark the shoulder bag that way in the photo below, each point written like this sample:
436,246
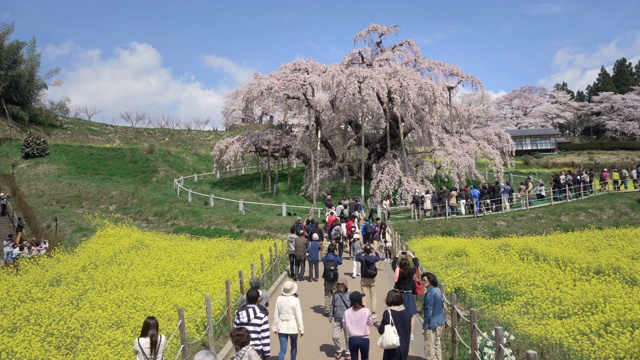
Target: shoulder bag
389,338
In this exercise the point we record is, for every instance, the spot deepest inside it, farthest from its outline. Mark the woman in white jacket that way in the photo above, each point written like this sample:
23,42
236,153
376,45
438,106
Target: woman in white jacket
287,323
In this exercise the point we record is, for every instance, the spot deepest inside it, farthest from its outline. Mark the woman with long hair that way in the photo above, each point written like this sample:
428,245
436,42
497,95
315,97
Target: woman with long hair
150,345
405,265
357,321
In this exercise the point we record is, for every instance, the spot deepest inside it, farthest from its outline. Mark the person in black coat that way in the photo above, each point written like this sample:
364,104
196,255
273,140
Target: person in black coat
402,322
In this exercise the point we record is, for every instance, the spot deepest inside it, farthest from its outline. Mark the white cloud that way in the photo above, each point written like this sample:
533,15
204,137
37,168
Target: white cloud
544,9
579,69
64,49
134,78
240,74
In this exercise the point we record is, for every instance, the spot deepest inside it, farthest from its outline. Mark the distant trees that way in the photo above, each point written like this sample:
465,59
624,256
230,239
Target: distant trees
88,111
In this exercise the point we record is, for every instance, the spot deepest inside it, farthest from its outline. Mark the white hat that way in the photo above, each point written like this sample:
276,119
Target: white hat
604,170
289,288
356,236
315,237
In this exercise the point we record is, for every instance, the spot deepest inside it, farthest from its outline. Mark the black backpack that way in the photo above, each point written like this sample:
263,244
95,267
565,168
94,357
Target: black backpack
331,270
368,273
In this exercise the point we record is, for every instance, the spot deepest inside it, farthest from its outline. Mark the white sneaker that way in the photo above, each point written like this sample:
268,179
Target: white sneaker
374,315
411,337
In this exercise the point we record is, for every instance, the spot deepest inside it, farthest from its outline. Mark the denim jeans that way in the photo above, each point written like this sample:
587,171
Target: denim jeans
292,269
284,338
7,258
359,344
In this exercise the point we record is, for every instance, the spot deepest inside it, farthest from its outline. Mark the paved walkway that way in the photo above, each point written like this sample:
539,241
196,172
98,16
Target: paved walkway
317,342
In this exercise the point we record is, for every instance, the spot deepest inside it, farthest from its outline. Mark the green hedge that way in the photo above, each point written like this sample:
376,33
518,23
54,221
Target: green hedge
601,145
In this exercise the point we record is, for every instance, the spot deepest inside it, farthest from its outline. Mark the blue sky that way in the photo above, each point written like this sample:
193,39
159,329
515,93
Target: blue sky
180,58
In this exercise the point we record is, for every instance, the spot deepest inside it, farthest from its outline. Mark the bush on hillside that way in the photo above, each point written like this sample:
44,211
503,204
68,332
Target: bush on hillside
34,146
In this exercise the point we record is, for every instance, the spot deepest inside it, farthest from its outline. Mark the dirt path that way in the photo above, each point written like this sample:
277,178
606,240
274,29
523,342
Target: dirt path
317,342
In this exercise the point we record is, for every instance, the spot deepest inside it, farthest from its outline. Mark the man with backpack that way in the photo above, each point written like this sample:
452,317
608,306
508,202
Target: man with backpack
368,274
415,205
367,231
330,275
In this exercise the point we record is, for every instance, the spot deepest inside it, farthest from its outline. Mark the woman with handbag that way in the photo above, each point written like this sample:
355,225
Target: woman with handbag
405,280
397,316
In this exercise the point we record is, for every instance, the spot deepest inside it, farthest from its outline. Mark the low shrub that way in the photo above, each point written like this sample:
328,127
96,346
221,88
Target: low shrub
33,146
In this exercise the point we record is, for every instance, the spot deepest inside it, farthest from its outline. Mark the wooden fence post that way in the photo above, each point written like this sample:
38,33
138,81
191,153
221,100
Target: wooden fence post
179,188
253,270
211,201
212,342
454,326
241,205
275,246
262,269
473,316
195,177
190,198
284,209
499,343
532,355
227,284
271,265
566,189
183,334
241,276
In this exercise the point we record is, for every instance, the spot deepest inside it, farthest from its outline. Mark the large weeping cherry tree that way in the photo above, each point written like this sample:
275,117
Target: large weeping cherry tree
387,99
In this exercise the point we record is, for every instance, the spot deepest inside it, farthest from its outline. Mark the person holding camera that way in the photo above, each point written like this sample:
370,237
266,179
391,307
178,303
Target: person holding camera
406,265
368,258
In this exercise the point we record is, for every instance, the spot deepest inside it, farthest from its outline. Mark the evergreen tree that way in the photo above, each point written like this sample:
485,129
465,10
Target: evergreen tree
580,96
603,83
564,87
623,76
636,73
20,81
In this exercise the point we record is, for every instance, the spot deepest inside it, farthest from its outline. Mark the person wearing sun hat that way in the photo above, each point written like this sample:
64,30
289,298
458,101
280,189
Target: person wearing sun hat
287,319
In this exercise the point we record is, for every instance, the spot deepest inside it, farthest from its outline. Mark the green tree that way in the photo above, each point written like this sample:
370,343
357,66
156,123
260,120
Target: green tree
623,76
21,84
636,73
603,83
580,96
564,87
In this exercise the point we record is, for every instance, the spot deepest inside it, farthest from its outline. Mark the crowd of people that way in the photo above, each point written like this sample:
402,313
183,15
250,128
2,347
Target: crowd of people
344,233
486,198
18,247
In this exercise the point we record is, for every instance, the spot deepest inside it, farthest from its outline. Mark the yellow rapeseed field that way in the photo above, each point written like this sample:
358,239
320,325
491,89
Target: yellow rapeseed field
90,303
576,291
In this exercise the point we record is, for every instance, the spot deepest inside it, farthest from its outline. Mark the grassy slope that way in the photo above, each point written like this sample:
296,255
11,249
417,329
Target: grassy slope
77,131
122,179
80,180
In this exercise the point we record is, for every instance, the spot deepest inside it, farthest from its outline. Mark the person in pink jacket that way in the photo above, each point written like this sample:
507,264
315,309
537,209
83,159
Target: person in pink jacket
357,321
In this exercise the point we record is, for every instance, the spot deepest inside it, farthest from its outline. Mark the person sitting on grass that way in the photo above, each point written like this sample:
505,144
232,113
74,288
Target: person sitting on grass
8,249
